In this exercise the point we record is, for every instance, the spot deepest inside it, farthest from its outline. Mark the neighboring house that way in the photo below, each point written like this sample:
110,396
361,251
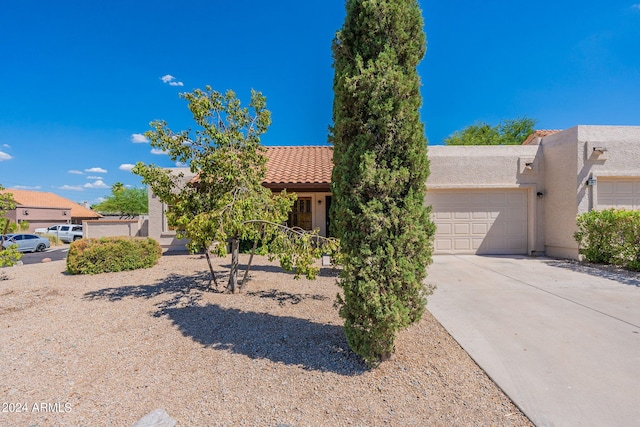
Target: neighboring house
486,199
42,209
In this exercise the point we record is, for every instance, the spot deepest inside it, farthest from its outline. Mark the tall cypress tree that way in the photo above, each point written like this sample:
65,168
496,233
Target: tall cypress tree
380,172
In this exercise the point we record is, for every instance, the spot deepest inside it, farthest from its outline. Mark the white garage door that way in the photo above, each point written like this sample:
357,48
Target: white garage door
618,193
479,221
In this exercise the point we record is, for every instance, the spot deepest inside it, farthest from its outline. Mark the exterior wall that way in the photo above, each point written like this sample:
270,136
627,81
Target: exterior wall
113,228
157,225
620,160
560,183
38,217
493,167
571,161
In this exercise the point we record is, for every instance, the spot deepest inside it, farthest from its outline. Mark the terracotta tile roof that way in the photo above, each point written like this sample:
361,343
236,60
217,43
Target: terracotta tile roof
299,165
40,199
540,134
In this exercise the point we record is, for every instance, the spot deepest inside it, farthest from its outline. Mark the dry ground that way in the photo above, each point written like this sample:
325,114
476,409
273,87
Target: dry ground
105,350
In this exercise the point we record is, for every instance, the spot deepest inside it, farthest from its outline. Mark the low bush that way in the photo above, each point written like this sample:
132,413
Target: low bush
611,236
53,239
107,254
9,256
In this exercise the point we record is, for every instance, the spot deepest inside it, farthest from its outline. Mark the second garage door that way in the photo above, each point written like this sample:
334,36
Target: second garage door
479,221
618,193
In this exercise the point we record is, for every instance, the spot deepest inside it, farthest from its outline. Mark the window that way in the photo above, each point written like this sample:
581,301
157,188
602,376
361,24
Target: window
300,215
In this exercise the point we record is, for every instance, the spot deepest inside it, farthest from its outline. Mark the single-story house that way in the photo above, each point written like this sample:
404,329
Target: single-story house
516,199
42,209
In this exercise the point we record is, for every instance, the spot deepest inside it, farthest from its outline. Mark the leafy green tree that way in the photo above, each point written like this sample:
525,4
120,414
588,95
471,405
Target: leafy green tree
11,227
380,172
125,202
9,256
226,201
508,132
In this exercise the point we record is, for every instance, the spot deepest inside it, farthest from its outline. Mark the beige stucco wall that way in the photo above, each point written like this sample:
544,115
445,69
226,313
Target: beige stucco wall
157,226
113,228
621,160
493,167
39,217
560,183
570,161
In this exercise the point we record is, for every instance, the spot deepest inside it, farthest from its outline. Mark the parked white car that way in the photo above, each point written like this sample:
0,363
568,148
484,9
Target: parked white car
26,242
65,232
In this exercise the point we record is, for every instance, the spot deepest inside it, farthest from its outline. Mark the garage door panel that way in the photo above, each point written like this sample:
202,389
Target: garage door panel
462,215
461,229
462,244
480,215
479,229
480,221
618,193
443,215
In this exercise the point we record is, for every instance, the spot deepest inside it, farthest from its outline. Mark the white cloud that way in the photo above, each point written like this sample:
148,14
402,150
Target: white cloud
71,188
156,151
4,156
126,167
97,184
138,138
171,80
76,172
96,170
27,187
181,165
94,177
6,145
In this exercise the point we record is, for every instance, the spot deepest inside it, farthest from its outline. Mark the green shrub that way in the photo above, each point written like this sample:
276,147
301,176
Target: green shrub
93,256
9,256
611,236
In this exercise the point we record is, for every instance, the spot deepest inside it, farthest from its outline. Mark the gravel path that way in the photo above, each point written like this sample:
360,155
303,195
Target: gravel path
105,350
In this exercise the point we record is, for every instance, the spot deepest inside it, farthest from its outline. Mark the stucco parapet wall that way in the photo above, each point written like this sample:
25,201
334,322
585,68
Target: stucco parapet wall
484,166
629,134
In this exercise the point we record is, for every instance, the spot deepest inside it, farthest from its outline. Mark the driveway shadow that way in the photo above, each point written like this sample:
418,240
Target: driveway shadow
604,271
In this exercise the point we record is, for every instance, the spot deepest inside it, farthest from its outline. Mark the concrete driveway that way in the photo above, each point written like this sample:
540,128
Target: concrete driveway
561,339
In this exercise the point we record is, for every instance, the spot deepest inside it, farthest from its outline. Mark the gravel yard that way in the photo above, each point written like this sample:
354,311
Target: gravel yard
105,350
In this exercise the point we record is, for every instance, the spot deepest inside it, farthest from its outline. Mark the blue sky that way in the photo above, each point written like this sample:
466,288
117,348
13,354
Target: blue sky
79,80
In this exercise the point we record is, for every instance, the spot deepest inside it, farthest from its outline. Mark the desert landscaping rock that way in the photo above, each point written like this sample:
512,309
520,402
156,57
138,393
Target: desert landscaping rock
108,349
157,418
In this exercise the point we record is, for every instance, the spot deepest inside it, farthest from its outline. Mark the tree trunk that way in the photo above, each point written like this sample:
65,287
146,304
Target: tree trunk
246,271
233,276
213,275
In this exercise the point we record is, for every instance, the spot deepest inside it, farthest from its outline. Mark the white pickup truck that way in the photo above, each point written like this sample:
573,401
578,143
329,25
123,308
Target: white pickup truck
65,232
